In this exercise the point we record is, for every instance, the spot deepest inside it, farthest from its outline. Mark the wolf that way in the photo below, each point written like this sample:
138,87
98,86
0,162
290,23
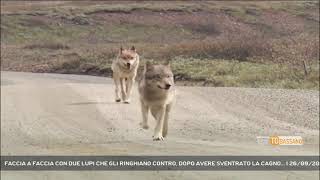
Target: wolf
157,94
124,69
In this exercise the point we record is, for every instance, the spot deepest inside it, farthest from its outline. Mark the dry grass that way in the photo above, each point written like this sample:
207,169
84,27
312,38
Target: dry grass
226,73
242,47
48,45
209,43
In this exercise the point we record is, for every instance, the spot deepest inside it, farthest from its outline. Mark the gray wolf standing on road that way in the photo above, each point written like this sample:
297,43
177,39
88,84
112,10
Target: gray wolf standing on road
124,69
157,93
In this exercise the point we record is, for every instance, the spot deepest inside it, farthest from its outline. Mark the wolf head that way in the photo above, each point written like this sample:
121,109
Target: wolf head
127,57
159,76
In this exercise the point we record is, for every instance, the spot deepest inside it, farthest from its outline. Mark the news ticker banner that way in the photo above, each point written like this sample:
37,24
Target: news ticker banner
145,163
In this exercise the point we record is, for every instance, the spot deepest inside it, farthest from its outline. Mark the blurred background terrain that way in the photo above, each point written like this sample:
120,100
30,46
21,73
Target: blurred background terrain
243,44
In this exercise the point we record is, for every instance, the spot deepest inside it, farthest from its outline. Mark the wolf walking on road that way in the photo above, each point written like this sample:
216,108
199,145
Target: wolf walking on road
124,69
157,92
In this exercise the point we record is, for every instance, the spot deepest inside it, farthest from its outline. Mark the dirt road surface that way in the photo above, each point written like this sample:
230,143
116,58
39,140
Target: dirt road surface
54,114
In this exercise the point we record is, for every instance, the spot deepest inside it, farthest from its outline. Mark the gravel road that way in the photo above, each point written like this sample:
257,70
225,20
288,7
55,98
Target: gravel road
54,114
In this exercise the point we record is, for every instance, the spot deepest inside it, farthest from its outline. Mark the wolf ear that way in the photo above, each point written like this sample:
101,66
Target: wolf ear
167,63
121,49
133,49
148,66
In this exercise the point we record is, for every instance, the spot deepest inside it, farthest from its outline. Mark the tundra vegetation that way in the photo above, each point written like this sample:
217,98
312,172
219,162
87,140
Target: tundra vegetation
244,44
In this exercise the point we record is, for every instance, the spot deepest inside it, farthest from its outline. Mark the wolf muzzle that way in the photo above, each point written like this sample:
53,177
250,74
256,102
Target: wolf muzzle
128,65
167,86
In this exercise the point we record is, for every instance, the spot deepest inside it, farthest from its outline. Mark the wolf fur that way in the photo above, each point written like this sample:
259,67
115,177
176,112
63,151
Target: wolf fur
124,69
157,93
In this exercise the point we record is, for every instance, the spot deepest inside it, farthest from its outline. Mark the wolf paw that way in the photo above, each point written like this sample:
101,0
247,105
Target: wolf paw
158,138
126,101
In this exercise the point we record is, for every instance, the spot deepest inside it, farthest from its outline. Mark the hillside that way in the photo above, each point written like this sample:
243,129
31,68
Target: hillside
247,44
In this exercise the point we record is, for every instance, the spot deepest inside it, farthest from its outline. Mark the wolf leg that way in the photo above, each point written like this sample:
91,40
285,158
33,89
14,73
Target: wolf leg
144,111
117,93
126,82
158,113
166,118
123,92
129,83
